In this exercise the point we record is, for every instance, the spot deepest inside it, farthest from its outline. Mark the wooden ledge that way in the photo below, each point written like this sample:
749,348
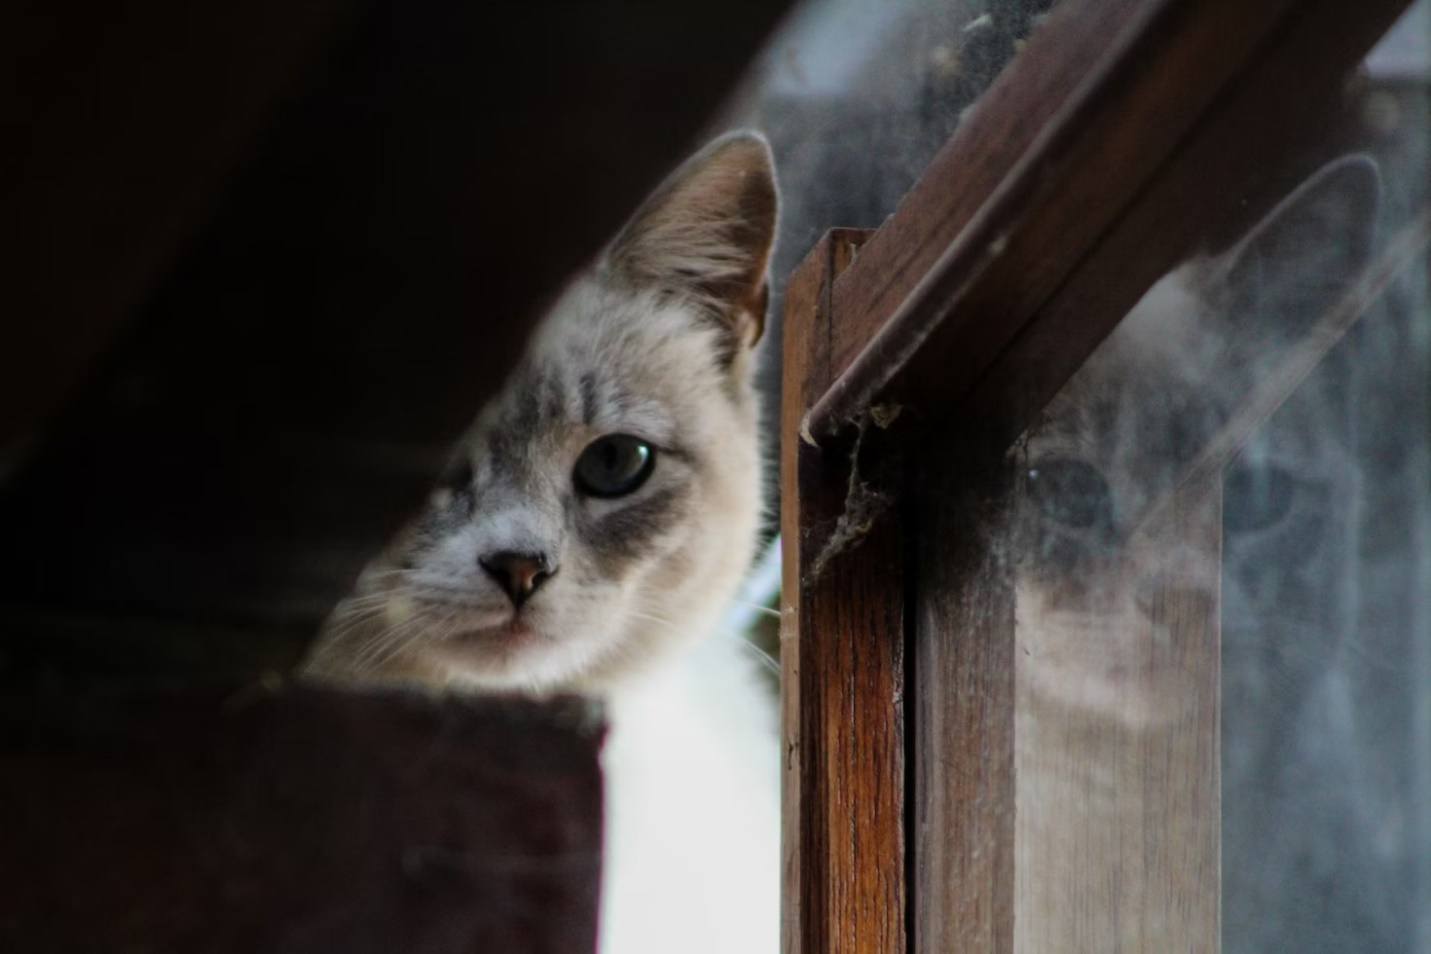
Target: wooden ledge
298,819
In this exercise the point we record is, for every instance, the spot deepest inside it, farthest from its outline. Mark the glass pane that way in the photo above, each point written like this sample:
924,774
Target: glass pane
1326,735
1246,463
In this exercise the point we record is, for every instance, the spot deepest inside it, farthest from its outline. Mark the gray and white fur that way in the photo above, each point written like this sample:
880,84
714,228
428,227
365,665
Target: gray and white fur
517,578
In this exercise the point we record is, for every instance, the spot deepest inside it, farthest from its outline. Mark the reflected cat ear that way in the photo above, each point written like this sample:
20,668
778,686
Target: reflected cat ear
706,234
1308,249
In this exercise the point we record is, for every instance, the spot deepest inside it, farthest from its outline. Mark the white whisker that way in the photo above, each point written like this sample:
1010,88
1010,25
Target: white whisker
387,643
381,574
360,602
756,607
342,624
760,655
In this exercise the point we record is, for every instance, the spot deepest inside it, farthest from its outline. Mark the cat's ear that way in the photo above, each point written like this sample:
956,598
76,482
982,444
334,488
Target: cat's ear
706,234
1268,292
1307,250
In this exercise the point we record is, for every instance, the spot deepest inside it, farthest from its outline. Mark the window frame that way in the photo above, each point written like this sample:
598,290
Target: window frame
914,357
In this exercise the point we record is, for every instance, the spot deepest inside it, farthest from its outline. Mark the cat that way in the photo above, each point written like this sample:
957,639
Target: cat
1308,861
592,530
1115,442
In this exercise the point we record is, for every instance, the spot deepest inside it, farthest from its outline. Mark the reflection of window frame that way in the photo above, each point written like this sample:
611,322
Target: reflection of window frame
915,355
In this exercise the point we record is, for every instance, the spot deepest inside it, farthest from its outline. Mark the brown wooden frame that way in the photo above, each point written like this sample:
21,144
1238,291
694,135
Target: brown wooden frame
914,356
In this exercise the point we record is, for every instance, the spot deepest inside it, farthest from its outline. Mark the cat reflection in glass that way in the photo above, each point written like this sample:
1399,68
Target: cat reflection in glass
589,537
1171,592
1101,472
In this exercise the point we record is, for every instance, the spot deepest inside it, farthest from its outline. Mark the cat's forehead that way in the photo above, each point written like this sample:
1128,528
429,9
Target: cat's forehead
1144,382
605,360
561,392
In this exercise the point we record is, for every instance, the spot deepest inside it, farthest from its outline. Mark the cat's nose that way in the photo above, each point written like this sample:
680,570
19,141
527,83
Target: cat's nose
518,573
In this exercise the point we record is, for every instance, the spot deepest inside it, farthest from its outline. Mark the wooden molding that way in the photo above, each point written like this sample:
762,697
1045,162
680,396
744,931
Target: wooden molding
842,659
1078,177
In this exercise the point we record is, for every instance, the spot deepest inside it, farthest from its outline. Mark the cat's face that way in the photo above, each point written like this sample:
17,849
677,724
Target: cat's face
604,507
1113,552
1091,572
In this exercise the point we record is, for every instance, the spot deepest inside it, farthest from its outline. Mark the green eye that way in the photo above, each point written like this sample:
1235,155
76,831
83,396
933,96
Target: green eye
614,465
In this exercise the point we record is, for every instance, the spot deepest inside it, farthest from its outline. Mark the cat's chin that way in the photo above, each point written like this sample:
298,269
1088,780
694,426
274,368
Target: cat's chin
493,640
508,635
503,655
1111,664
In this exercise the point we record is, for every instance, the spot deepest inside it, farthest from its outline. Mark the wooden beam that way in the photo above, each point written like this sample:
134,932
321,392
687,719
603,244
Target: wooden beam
842,659
295,819
1049,179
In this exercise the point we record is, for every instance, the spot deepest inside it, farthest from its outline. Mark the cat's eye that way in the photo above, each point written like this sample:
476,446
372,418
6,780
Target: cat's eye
614,465
1071,493
1257,498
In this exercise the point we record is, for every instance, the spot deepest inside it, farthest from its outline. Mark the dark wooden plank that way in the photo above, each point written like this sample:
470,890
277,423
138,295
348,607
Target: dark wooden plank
298,820
842,658
301,341
1027,191
962,705
802,850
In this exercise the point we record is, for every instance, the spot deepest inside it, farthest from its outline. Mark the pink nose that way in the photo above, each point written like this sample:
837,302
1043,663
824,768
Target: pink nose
519,574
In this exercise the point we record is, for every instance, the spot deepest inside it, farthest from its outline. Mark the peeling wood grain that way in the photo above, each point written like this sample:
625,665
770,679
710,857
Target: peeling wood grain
842,660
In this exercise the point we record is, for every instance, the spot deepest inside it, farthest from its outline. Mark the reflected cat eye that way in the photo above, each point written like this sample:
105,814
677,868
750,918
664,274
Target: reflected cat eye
1071,493
614,465
1257,498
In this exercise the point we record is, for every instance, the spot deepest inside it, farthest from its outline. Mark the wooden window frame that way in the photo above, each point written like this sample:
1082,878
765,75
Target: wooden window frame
914,356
